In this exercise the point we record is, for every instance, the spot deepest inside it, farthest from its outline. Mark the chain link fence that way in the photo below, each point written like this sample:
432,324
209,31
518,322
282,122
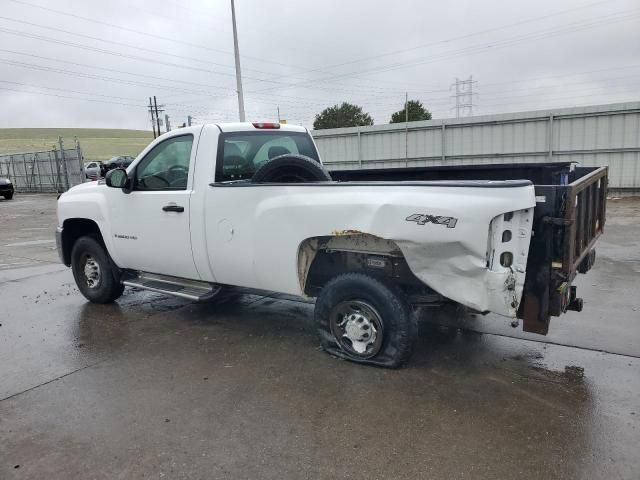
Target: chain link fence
55,170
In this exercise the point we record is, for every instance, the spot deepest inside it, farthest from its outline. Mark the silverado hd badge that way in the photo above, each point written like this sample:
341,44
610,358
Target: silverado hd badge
422,219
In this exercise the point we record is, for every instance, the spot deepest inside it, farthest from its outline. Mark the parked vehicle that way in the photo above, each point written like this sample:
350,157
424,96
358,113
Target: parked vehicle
122,161
253,206
6,188
92,170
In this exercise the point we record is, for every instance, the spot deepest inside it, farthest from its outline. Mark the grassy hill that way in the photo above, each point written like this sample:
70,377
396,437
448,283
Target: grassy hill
96,143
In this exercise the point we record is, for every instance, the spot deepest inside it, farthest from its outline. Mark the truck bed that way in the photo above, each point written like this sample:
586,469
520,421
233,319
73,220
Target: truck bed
569,217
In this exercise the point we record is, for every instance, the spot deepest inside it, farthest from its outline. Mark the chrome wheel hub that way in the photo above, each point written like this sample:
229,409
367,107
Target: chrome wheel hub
357,327
360,331
91,272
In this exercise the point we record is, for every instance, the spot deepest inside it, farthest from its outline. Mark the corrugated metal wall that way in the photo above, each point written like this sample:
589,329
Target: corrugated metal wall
597,135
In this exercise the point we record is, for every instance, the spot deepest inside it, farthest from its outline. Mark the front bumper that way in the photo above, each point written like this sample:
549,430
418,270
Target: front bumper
6,189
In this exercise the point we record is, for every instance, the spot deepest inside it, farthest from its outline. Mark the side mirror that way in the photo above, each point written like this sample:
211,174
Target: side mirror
116,178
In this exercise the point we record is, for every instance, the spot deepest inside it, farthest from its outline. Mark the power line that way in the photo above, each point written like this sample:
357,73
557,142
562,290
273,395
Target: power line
470,49
125,72
301,101
66,90
73,98
89,19
430,102
119,27
136,57
511,41
461,37
140,32
163,53
114,42
546,77
125,55
84,75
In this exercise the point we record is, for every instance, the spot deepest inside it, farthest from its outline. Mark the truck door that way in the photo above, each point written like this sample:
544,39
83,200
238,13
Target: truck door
150,225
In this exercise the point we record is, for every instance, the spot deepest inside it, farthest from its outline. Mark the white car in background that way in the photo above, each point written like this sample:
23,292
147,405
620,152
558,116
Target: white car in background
92,170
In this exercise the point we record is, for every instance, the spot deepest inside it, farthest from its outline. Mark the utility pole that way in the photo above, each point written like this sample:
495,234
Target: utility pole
158,110
406,128
406,107
153,121
278,113
464,97
236,52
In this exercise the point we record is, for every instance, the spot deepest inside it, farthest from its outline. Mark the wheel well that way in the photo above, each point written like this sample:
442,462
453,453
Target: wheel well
322,258
72,230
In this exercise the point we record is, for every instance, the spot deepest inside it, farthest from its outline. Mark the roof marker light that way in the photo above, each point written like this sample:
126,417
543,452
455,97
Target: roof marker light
266,125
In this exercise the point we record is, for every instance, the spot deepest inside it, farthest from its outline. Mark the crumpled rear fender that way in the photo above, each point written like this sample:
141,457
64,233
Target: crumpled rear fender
459,254
450,235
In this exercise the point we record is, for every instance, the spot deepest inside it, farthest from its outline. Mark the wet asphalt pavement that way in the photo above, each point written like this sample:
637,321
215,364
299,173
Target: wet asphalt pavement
157,387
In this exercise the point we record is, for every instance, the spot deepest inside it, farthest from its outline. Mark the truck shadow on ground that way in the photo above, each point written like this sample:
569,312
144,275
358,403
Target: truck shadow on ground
283,317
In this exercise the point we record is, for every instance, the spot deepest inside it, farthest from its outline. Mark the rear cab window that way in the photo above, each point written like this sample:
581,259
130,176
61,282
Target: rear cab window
240,154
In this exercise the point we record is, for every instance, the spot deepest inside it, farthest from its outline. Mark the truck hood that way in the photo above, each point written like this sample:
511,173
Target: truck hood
85,187
82,201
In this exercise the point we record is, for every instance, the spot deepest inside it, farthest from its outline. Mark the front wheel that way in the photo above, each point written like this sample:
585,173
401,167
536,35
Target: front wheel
95,275
8,196
366,320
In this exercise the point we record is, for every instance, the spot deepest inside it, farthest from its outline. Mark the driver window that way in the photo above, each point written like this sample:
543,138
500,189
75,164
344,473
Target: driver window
166,166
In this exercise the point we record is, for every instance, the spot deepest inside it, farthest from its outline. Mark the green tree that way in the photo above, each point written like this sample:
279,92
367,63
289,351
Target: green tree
345,115
417,112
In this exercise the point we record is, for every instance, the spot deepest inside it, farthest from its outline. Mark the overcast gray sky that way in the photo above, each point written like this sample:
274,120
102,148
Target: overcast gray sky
90,63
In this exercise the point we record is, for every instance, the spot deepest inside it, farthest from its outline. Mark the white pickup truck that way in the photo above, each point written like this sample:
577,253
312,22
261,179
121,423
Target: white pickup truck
250,205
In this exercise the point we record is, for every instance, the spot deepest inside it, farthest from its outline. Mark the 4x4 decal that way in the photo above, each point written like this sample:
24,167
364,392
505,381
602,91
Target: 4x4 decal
422,219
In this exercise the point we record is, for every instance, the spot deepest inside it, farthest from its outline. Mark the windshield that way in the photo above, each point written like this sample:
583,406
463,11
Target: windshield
244,152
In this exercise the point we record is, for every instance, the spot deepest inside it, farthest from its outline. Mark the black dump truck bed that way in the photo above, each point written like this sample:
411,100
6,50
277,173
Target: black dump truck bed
568,219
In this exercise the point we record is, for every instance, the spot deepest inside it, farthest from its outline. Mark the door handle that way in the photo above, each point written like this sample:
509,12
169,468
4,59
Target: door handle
172,207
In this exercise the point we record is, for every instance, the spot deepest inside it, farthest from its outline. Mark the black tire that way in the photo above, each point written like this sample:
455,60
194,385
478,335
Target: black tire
398,327
291,169
8,196
88,252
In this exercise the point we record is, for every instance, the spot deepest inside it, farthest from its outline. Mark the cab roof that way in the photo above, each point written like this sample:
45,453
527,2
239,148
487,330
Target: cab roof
259,126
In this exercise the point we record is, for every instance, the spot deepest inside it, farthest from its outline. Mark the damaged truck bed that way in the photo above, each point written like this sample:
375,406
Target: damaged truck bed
568,218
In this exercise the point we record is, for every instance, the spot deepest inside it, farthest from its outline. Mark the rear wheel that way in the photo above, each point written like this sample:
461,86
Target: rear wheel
366,320
95,274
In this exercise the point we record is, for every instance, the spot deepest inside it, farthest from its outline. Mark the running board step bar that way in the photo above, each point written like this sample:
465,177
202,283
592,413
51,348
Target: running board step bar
179,287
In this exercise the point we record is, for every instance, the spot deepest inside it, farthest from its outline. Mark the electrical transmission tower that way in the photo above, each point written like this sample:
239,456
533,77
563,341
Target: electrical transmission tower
464,96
